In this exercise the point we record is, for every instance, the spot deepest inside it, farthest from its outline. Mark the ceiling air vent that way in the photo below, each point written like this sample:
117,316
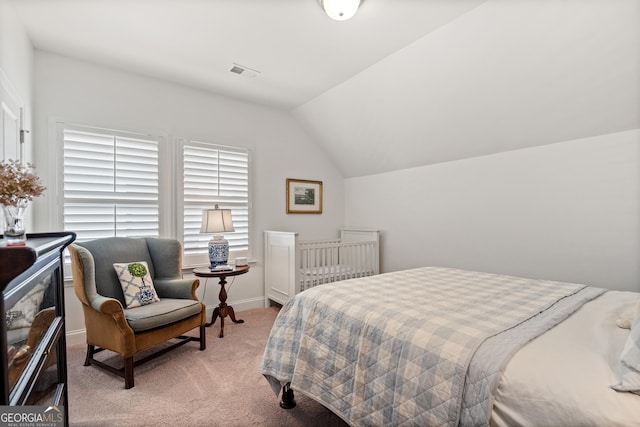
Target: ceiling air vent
241,70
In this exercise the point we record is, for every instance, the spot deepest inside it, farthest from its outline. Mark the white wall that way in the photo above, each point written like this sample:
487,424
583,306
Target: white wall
16,54
568,211
89,94
16,71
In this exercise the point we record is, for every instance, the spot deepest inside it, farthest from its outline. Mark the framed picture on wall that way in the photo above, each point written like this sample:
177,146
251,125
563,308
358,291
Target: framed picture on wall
304,196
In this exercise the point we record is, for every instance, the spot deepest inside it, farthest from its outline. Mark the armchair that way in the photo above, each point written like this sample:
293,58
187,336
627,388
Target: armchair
128,331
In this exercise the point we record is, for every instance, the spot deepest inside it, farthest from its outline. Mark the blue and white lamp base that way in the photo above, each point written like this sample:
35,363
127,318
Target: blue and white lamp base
218,250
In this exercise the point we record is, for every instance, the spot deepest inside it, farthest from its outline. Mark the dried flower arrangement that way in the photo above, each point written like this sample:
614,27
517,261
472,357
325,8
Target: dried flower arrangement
18,182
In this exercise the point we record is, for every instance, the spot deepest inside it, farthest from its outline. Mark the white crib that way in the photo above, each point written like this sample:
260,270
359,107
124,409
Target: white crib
293,265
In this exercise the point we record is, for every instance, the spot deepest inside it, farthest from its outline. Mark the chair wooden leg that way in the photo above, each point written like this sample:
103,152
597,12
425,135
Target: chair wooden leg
203,341
128,372
90,351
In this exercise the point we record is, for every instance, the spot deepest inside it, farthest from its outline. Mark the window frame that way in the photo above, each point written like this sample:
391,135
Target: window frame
170,181
197,260
156,140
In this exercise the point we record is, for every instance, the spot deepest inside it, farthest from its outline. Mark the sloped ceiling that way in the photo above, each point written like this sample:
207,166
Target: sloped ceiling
506,75
405,83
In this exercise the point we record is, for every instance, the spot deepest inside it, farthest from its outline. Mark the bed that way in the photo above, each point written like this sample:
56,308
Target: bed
444,347
293,265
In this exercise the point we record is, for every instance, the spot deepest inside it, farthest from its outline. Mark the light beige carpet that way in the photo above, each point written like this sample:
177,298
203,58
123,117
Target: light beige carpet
220,386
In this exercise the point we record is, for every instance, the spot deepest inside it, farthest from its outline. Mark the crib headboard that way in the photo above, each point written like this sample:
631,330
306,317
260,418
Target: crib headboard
280,273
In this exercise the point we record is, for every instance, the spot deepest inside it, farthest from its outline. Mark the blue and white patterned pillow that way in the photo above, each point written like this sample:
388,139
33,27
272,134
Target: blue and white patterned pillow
630,362
136,283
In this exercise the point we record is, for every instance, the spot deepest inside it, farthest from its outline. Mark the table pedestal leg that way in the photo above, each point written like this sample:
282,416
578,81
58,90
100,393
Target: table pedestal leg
223,310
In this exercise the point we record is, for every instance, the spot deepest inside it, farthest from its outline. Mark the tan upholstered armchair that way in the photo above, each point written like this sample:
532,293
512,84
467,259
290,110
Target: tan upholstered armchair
128,331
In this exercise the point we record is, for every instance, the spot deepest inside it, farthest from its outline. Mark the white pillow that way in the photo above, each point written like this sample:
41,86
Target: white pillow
626,319
630,362
136,283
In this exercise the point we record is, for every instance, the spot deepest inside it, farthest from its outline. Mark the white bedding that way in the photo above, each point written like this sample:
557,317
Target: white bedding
562,378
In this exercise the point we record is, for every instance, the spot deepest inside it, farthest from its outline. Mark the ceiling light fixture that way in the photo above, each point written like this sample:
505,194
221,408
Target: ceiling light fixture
340,10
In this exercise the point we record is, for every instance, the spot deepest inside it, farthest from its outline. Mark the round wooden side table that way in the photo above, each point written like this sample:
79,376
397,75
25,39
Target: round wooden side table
222,310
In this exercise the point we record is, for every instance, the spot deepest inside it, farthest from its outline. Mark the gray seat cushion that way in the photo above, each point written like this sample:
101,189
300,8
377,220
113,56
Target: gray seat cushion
161,313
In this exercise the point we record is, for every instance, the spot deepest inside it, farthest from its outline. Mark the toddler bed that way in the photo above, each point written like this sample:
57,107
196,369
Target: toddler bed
446,347
293,265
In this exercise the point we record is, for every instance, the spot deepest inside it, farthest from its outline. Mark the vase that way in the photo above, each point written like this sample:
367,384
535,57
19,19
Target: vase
218,251
14,230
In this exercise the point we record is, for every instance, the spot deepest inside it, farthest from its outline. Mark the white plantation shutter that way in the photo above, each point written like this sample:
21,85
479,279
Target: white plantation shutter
127,184
214,174
111,183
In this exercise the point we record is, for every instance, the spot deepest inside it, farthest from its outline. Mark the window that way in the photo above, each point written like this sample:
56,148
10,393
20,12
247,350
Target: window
214,174
110,183
127,184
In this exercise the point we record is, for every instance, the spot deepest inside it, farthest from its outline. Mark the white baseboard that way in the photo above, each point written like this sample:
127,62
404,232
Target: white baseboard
241,305
77,337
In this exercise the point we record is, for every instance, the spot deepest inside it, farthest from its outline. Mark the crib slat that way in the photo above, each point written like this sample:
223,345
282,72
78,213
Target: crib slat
330,261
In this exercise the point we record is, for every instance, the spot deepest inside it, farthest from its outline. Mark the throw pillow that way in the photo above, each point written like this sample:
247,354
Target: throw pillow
23,312
136,283
630,362
626,319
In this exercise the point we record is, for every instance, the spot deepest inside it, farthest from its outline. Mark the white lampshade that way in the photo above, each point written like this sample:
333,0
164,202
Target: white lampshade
216,221
340,10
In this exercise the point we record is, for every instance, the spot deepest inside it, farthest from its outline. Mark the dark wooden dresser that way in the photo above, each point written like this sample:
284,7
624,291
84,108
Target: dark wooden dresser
33,333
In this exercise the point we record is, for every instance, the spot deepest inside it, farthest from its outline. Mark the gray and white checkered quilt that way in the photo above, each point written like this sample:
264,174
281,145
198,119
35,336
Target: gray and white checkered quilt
396,349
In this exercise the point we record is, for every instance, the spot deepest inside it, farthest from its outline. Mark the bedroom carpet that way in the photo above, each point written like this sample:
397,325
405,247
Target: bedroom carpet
220,386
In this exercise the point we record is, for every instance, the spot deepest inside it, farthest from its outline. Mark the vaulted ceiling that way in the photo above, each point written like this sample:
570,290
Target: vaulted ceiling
404,83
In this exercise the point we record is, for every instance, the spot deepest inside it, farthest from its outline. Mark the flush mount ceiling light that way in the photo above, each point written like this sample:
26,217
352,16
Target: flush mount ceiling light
340,10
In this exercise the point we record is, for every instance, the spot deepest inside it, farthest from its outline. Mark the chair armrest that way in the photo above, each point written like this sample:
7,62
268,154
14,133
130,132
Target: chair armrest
106,305
112,314
177,288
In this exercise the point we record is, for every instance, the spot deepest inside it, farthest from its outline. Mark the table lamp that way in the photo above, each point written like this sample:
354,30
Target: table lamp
217,221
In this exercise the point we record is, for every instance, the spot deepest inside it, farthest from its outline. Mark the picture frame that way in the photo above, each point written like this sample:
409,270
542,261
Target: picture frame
304,196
